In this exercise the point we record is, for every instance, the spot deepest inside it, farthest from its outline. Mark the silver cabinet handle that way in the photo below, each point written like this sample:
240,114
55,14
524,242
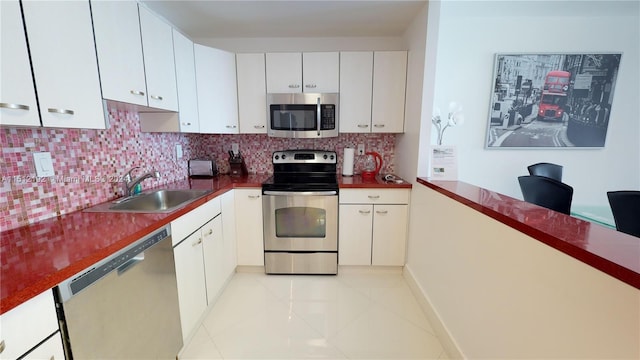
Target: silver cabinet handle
14,106
197,242
382,212
365,212
209,233
137,92
294,86
60,111
52,357
186,124
379,125
311,86
363,126
374,197
156,97
258,126
231,126
2,346
254,196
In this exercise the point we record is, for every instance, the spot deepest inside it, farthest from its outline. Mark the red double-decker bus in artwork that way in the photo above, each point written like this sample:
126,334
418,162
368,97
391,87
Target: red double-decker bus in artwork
554,95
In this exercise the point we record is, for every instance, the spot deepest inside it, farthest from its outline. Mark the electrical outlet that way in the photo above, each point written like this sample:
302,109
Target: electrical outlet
360,149
178,151
43,164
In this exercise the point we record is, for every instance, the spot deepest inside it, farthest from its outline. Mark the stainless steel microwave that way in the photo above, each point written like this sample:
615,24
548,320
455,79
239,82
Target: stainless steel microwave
303,115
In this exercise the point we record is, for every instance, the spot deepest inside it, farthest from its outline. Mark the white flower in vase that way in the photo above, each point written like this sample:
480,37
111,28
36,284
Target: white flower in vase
455,117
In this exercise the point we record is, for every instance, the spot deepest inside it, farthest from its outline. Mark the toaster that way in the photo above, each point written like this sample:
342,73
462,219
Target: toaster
202,168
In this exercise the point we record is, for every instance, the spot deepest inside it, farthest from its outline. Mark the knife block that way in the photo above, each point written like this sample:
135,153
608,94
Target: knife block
237,167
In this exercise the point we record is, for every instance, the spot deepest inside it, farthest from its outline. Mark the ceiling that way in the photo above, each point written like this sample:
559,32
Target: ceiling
302,18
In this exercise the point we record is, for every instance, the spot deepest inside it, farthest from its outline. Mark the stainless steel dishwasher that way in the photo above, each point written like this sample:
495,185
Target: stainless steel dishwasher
125,306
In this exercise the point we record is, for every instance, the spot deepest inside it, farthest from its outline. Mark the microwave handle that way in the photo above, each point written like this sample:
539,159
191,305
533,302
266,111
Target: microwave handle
319,116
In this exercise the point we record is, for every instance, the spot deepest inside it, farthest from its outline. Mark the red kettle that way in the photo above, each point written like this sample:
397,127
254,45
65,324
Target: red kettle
372,165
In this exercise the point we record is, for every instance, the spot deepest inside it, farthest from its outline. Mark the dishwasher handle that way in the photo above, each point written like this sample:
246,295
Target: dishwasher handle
131,263
300,193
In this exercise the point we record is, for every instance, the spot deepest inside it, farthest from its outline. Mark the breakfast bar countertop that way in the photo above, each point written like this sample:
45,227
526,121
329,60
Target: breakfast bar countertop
39,256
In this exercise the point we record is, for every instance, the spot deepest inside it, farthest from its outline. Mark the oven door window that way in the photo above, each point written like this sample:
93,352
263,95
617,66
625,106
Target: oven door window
293,117
301,222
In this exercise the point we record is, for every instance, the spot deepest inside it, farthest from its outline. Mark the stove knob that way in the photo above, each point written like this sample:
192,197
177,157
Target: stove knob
277,157
325,156
283,156
331,157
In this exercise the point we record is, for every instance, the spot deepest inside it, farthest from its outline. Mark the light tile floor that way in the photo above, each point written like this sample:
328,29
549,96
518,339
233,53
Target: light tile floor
353,315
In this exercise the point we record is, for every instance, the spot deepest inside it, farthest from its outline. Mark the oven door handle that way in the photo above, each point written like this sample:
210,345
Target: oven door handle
318,109
301,193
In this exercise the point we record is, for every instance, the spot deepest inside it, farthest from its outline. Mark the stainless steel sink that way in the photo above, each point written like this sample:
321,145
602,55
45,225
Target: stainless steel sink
157,201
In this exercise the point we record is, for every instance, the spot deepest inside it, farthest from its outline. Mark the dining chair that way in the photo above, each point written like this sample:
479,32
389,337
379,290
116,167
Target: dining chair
625,206
549,170
546,192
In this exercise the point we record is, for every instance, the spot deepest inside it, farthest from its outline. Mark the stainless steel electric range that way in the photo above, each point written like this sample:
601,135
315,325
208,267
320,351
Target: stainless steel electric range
300,209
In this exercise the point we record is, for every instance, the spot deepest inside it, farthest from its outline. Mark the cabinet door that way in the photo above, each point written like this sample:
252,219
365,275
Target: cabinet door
159,63
27,325
389,235
249,231
320,72
192,295
186,83
17,96
64,63
117,32
229,231
389,83
252,93
284,72
213,251
217,90
50,349
356,82
354,245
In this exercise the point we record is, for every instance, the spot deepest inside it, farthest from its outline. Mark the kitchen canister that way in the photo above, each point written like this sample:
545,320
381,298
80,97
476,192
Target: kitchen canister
347,161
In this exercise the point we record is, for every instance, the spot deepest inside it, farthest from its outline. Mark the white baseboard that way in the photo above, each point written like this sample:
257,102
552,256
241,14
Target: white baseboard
368,269
448,343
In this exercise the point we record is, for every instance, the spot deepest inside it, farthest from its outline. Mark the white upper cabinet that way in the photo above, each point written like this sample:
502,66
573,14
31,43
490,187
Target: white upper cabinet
64,63
312,72
284,72
321,72
389,86
159,64
356,87
252,93
117,31
186,81
217,90
17,96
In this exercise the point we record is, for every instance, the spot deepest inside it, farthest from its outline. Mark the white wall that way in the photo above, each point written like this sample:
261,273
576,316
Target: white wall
472,32
407,144
499,294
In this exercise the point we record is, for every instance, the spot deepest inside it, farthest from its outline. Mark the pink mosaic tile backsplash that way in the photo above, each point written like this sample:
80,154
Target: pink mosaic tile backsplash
89,163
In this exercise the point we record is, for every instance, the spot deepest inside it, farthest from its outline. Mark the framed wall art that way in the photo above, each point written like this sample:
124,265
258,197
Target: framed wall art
551,100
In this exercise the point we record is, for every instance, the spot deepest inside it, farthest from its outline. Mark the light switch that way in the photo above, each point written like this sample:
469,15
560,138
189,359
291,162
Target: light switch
43,164
178,151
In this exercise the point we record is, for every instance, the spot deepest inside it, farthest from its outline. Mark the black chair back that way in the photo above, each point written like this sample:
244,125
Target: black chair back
546,192
625,206
549,170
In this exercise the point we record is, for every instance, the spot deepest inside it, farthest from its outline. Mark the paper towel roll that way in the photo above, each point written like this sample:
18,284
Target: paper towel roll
347,161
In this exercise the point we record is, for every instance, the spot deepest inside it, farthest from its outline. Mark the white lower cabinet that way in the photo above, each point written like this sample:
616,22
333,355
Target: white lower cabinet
192,292
373,227
205,258
249,233
25,326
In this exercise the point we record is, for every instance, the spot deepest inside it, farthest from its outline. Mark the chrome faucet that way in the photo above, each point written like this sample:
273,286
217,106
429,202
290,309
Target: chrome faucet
129,184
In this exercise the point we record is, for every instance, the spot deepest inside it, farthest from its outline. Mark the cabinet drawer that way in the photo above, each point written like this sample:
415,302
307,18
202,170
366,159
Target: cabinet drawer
25,326
194,219
374,196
